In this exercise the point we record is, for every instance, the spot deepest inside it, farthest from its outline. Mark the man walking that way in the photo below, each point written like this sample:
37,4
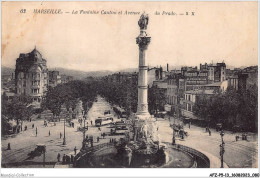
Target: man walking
36,132
49,133
60,135
58,157
75,150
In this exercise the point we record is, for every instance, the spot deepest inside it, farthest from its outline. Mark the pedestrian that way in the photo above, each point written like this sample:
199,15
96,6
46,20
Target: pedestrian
182,136
71,158
64,158
173,140
9,146
32,126
67,158
110,140
98,139
36,132
91,122
54,123
157,128
25,128
91,142
189,124
75,150
209,133
245,136
49,133
60,134
237,137
58,157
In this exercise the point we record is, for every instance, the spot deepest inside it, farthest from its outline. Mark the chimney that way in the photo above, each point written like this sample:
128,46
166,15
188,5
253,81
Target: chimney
167,67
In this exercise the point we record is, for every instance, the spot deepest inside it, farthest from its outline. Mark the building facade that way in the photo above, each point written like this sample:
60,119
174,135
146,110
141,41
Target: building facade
176,85
54,78
216,73
189,101
31,75
194,77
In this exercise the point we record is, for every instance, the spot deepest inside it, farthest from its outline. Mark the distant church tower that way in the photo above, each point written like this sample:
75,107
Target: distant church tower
31,75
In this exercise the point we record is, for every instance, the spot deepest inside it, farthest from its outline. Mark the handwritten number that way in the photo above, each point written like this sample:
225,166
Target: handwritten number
23,11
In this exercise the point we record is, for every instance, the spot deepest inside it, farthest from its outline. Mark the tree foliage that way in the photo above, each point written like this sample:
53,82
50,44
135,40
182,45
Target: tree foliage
17,109
230,108
68,94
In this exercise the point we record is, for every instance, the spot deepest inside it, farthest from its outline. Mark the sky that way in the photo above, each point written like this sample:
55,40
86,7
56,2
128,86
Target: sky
219,31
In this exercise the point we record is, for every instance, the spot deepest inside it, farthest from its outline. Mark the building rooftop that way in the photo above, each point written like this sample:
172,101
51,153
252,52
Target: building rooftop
200,92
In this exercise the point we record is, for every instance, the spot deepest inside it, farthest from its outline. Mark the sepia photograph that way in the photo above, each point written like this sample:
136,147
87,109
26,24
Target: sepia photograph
129,85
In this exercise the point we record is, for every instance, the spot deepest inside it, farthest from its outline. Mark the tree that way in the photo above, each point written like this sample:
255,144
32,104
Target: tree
68,94
18,109
229,108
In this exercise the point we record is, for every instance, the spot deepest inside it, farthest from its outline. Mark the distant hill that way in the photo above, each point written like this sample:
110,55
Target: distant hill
128,70
82,74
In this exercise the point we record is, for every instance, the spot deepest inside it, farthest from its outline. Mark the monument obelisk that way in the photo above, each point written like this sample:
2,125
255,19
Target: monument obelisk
144,123
143,40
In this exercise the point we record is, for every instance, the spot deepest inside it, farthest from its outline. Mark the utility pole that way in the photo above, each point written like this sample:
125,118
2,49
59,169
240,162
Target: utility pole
222,148
173,135
64,138
84,131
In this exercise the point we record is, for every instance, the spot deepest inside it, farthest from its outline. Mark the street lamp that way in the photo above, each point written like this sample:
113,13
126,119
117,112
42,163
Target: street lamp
84,131
222,148
173,135
64,138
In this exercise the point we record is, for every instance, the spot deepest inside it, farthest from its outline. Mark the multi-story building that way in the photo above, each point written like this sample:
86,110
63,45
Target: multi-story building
217,87
243,79
31,75
216,73
155,74
176,86
189,100
54,78
160,92
66,79
123,78
194,77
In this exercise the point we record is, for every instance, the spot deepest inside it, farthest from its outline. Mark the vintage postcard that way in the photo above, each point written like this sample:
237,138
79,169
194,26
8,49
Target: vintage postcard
129,85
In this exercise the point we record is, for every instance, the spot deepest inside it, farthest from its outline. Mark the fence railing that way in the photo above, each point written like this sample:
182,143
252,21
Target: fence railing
89,150
193,152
